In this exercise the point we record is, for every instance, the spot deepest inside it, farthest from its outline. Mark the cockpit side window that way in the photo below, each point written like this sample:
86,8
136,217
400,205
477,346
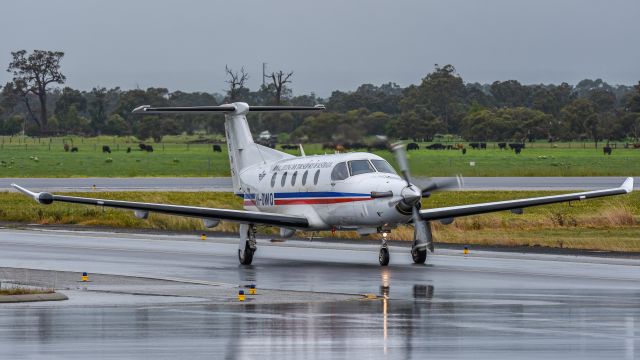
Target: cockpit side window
339,172
383,167
357,167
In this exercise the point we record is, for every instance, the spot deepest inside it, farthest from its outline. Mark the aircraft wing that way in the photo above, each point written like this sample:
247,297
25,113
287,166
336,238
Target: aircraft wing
516,205
241,216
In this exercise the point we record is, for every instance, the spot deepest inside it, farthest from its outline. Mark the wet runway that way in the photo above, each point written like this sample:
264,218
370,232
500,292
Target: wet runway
487,305
224,184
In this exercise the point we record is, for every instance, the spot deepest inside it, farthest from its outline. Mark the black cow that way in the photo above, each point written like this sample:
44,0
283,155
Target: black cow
142,146
74,149
502,146
149,148
129,149
483,146
607,150
217,148
474,146
436,146
106,149
413,146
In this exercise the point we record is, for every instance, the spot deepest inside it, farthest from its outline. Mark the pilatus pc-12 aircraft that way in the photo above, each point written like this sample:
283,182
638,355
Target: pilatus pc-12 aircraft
351,191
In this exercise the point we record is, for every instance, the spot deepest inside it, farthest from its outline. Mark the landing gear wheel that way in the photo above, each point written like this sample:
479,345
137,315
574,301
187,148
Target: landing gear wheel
246,256
419,255
383,257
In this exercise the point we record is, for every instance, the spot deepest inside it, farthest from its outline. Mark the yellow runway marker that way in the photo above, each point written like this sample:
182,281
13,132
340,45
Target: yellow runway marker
241,295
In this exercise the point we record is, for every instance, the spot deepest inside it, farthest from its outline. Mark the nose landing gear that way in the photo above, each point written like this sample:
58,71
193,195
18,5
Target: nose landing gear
383,256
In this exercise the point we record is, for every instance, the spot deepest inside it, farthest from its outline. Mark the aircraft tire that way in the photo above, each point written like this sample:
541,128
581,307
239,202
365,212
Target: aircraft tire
419,256
383,257
245,257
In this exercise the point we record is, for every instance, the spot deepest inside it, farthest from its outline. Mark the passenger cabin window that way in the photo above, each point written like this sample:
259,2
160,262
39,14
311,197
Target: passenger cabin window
293,178
339,172
383,167
273,179
304,177
357,167
316,177
284,179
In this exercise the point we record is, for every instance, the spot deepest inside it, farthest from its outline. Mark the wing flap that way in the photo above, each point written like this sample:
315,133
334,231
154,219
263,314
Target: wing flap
482,208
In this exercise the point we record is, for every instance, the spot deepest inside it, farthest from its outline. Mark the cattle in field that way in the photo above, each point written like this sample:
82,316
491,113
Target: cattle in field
106,149
129,149
217,148
436,146
142,146
502,146
149,148
74,149
413,146
288,147
67,147
607,150
474,145
483,146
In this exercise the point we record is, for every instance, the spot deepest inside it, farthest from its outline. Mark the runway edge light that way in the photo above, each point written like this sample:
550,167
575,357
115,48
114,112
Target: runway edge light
241,295
252,289
85,276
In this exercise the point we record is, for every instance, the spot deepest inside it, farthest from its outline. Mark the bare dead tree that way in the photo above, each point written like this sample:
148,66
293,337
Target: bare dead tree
279,80
236,82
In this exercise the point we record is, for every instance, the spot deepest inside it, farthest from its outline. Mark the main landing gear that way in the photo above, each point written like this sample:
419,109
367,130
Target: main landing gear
247,245
383,256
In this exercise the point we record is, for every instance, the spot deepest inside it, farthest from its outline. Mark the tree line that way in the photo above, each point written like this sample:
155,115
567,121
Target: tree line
37,102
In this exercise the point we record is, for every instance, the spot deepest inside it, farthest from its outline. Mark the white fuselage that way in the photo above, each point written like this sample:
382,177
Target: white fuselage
330,199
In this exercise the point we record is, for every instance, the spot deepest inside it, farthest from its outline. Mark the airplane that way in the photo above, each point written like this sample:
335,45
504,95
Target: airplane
343,191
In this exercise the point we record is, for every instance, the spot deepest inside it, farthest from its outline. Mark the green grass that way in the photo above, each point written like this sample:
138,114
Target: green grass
604,224
47,158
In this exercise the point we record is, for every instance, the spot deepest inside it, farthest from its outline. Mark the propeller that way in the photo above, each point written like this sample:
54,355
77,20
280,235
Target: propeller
411,196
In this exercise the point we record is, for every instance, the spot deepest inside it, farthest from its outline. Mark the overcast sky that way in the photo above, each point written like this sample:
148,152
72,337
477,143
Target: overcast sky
330,44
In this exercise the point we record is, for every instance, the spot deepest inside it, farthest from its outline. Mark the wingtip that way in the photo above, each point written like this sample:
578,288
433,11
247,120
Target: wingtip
627,185
140,109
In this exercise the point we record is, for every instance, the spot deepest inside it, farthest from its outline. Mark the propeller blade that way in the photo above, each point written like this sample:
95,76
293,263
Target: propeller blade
422,235
403,163
452,183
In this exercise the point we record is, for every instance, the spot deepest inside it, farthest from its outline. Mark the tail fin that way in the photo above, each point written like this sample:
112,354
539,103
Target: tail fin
243,151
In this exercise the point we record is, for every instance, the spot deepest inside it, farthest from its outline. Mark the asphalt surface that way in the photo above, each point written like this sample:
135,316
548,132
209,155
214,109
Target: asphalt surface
224,184
483,306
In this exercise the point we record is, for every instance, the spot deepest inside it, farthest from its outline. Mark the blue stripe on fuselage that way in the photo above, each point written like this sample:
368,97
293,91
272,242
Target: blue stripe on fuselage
310,194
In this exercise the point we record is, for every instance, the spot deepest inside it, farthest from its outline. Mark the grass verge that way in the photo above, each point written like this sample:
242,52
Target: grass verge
611,224
19,290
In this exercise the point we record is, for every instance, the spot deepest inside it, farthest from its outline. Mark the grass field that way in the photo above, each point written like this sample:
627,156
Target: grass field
604,224
177,157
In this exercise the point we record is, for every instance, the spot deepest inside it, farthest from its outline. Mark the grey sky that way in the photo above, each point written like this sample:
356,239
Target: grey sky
330,44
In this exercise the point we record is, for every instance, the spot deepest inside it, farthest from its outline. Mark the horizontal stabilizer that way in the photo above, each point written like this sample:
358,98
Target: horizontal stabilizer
229,108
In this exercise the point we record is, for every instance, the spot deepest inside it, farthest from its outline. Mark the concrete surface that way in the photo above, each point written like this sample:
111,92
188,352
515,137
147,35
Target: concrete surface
484,306
224,184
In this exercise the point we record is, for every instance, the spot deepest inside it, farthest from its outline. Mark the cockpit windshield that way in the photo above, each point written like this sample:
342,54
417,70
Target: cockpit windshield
383,167
357,167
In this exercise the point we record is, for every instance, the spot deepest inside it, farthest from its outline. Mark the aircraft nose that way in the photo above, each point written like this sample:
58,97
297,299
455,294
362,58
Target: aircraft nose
411,195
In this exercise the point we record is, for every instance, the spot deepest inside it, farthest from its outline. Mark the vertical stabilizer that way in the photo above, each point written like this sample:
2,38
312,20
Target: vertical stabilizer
243,151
